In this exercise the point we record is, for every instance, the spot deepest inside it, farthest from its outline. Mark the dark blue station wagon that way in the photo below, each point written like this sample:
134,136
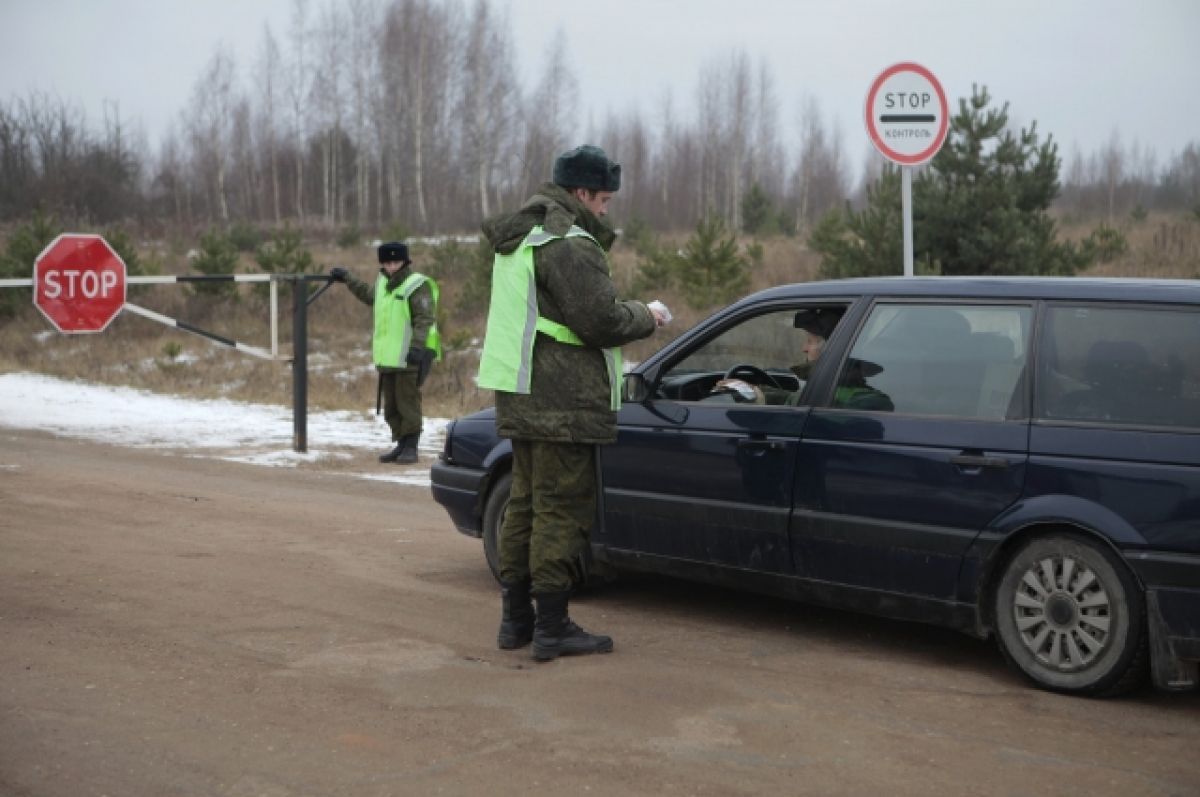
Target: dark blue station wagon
1017,458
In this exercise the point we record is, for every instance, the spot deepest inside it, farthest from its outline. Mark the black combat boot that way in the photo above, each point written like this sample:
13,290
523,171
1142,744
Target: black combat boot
409,454
555,635
392,455
516,624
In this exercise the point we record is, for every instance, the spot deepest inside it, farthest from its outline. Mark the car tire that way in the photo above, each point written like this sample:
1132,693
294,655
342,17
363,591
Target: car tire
1070,616
493,519
596,574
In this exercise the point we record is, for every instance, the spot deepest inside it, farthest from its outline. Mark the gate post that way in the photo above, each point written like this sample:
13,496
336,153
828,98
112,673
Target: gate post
299,364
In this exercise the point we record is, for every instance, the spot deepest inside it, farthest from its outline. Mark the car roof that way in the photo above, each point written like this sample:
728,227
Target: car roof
1066,288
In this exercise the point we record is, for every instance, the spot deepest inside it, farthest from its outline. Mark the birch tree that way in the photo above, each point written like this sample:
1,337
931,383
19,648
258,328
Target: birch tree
550,115
299,80
489,100
211,128
820,181
363,76
418,53
269,79
329,38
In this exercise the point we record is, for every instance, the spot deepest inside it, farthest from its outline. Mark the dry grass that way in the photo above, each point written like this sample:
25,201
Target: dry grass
137,352
1163,245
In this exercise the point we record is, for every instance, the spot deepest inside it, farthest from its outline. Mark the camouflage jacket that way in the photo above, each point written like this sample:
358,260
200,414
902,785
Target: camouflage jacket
420,304
569,400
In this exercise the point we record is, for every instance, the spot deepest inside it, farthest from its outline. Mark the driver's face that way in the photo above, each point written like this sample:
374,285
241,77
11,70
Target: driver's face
812,347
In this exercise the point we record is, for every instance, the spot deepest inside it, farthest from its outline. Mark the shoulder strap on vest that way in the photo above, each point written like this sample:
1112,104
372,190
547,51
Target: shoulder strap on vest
411,283
539,235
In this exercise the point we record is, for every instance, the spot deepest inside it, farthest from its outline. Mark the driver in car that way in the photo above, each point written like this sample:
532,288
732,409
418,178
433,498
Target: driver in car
853,392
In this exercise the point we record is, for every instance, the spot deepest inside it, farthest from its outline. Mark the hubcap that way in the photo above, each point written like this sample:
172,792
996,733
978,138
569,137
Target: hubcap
1063,613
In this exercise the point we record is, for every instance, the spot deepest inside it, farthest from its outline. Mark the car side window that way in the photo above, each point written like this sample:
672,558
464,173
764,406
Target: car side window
1120,365
962,361
765,353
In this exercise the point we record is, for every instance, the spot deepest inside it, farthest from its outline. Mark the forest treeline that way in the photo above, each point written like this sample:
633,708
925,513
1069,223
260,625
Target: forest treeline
411,115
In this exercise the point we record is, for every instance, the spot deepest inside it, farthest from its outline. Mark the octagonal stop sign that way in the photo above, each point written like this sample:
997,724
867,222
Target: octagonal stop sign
79,283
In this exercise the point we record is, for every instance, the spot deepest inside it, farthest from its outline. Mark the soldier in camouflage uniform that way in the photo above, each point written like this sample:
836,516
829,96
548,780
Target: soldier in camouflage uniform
400,378
555,392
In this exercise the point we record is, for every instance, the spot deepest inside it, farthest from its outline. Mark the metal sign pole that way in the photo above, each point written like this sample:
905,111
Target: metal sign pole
906,202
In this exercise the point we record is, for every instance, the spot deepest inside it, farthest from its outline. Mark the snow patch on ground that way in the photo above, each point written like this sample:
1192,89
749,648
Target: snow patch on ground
235,431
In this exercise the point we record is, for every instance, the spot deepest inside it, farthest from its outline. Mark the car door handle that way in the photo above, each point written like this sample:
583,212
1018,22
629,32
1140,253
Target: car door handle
972,461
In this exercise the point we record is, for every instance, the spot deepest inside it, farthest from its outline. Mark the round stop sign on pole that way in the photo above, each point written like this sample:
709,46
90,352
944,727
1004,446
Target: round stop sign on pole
79,283
907,114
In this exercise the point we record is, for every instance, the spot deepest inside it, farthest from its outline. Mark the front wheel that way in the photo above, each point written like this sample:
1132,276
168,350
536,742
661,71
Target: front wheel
596,573
493,519
1071,618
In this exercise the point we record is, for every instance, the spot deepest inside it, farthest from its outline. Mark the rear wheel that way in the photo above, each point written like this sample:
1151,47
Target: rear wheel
493,519
1070,617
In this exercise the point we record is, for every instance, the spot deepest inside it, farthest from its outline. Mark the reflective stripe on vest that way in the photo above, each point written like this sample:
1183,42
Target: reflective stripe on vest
514,321
393,322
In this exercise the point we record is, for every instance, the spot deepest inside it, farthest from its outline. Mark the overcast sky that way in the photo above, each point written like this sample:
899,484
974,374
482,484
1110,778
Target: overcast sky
1081,68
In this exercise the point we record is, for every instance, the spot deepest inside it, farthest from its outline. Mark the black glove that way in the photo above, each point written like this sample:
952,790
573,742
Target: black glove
424,361
338,274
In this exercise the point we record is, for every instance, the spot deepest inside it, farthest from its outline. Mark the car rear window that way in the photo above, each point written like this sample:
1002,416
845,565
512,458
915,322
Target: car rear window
1120,365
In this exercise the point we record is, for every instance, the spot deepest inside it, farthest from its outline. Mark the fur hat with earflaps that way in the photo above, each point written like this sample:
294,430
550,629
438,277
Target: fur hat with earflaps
587,167
818,320
393,252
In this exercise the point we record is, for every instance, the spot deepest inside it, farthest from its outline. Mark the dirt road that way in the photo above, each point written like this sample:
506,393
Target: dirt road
180,626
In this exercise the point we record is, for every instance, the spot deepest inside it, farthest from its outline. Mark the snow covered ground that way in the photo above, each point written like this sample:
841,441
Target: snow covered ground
260,434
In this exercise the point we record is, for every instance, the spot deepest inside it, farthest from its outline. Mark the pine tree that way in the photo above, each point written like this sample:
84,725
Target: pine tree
216,255
710,270
758,212
867,243
283,254
25,243
980,208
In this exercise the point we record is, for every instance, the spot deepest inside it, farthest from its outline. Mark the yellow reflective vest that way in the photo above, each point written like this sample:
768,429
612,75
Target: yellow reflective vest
393,322
514,321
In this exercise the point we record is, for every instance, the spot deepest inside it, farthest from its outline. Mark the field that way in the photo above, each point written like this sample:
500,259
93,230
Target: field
138,352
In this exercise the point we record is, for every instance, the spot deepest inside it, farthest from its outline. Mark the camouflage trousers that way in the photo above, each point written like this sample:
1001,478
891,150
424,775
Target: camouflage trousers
547,527
401,402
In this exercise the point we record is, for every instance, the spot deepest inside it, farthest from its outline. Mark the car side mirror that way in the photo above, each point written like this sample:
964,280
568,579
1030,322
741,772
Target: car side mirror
634,389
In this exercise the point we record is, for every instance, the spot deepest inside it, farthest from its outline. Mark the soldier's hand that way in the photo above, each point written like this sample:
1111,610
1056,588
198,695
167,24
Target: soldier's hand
662,316
338,274
741,390
415,355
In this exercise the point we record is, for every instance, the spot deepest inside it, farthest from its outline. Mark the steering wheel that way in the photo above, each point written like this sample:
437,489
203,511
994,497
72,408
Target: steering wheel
759,376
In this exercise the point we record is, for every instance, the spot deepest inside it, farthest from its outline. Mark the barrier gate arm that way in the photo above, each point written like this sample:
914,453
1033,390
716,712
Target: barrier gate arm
299,358
246,348
256,351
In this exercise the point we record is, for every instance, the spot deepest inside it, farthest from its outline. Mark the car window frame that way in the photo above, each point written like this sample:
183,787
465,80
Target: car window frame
720,323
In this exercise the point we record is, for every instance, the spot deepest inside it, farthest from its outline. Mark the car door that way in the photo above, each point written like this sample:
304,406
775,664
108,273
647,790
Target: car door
890,495
703,474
